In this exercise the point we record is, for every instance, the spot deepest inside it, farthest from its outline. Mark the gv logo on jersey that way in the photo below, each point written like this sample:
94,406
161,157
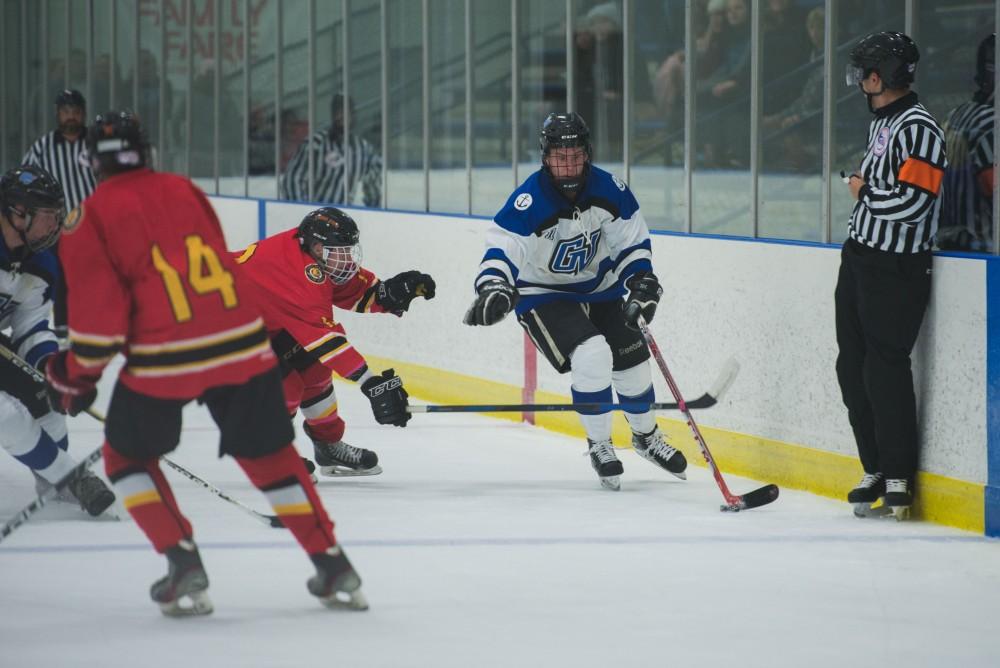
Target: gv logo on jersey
572,256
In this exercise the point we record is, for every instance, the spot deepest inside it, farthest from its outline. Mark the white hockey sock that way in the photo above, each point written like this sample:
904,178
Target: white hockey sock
635,384
590,365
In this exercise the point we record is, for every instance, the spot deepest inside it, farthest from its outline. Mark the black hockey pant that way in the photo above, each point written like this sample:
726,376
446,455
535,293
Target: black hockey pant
880,302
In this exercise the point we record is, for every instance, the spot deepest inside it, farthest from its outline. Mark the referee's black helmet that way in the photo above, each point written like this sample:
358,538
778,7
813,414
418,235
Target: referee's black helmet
892,54
116,143
70,98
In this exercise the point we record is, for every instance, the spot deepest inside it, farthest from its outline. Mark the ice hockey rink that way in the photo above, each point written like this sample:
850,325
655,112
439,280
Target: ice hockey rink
490,543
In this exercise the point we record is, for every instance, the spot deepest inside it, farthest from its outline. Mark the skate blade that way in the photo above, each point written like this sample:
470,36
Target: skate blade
901,513
345,472
346,600
193,604
866,510
612,482
679,474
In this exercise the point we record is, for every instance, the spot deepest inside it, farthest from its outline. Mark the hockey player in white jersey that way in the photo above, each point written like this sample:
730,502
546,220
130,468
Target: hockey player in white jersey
570,255
31,218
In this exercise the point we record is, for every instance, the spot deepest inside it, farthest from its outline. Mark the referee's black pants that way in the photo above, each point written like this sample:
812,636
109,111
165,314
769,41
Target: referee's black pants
880,302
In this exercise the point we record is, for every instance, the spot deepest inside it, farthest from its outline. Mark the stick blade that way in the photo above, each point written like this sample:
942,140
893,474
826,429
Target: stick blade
760,497
726,377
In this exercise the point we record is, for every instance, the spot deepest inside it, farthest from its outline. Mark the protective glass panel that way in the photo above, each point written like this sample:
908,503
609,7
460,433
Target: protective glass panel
294,100
449,186
262,127
657,144
231,115
598,54
125,48
721,180
791,130
173,155
542,61
365,77
956,87
405,173
203,128
492,178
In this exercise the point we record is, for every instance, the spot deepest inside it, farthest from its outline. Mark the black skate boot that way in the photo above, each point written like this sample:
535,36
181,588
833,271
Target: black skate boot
654,447
336,583
310,469
183,592
869,491
605,462
343,459
91,492
898,497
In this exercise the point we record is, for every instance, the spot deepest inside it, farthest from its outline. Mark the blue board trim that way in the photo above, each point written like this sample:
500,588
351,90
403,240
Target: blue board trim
992,492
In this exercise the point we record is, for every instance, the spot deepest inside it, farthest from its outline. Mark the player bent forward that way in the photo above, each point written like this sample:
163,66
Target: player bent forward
31,218
569,243
297,278
150,277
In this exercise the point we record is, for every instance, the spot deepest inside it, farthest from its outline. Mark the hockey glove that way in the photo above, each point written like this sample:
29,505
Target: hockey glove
68,396
495,300
643,295
395,294
388,398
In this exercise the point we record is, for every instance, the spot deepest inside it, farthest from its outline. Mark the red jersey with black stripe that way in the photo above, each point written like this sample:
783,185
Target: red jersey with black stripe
295,295
149,275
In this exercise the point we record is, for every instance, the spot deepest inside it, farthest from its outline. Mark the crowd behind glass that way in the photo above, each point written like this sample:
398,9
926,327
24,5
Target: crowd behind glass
752,145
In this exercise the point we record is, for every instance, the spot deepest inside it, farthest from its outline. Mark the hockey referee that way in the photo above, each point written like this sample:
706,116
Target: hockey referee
58,152
885,272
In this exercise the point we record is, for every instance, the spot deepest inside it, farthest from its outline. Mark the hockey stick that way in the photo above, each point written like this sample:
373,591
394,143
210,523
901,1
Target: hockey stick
706,400
270,520
52,492
752,499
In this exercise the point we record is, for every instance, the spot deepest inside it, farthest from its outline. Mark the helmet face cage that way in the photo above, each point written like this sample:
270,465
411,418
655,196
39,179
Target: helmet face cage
33,194
341,263
567,130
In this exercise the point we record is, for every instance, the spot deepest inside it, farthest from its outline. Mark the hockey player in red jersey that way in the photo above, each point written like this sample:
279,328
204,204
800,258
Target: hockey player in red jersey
149,277
298,277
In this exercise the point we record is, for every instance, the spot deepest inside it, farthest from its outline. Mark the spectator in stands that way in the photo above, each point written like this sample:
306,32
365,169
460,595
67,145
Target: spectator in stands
723,124
599,86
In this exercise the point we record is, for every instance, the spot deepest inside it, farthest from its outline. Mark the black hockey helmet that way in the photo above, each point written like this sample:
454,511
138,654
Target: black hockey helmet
340,238
70,98
35,195
986,64
566,130
892,54
116,143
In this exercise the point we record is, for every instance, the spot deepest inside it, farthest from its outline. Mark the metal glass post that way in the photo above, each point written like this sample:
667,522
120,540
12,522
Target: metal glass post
755,93
571,58
189,19
345,102
311,97
246,98
89,32
24,76
43,33
216,91
161,104
468,107
996,139
384,83
829,41
515,91
112,79
278,83
690,53
425,97
135,59
627,88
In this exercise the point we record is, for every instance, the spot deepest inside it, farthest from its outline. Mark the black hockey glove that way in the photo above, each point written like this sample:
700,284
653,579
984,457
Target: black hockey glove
643,295
388,398
395,294
495,300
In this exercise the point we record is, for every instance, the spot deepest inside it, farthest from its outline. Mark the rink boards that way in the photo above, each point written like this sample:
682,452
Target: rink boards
767,304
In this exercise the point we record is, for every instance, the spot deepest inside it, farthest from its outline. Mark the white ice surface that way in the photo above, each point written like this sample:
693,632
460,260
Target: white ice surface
487,543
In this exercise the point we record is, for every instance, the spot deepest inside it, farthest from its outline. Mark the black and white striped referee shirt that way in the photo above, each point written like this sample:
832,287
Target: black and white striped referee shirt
336,176
967,197
61,158
898,207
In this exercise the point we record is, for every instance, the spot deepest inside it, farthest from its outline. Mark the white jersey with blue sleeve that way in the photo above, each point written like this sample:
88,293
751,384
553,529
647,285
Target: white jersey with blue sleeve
26,302
552,249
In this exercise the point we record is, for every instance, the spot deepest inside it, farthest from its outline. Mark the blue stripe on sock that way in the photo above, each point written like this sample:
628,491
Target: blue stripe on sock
63,444
42,455
646,397
599,397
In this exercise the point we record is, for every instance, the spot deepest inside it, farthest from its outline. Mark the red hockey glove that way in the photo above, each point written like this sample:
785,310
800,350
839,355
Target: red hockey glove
65,395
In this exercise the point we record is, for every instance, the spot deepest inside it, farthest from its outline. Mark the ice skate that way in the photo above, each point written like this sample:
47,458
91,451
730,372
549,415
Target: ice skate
654,447
343,459
310,469
898,498
336,583
866,494
605,463
42,486
183,592
91,493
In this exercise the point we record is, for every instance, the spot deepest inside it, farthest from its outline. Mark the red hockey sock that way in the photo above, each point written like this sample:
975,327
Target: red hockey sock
284,480
148,498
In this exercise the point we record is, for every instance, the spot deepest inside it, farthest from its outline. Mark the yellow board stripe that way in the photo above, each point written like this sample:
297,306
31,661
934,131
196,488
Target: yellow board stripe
940,499
294,509
142,498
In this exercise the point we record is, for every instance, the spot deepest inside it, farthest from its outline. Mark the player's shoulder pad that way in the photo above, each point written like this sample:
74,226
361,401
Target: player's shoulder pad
605,186
44,265
527,207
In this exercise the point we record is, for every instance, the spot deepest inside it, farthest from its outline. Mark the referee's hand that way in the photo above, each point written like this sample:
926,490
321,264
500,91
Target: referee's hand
855,183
